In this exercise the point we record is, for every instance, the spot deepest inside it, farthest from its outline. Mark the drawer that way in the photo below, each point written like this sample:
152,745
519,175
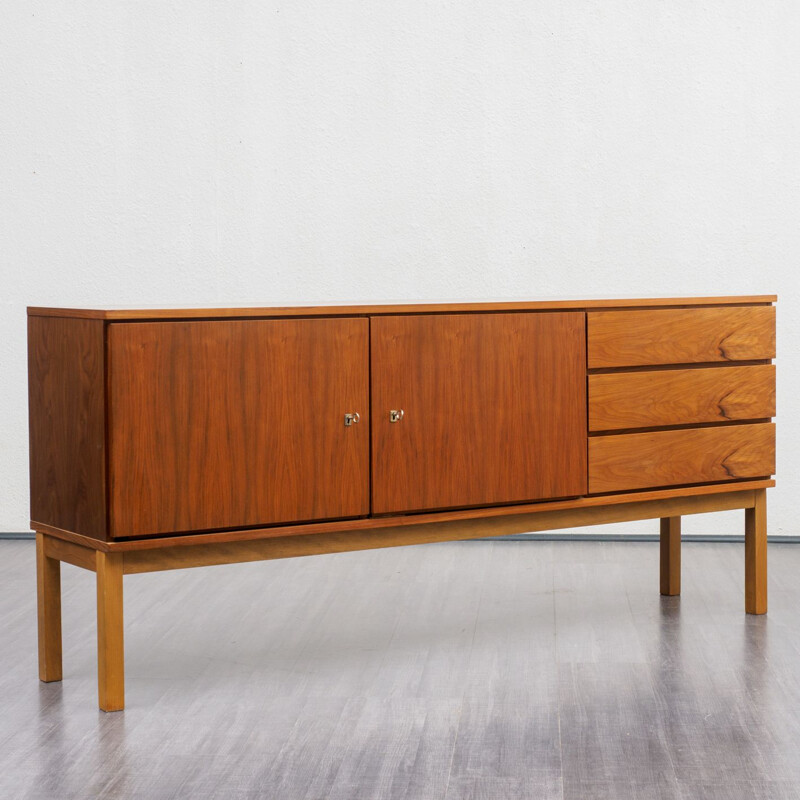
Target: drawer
680,336
680,397
623,462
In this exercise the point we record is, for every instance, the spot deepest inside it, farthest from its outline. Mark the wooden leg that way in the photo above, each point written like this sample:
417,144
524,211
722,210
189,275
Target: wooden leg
670,555
110,646
48,593
755,555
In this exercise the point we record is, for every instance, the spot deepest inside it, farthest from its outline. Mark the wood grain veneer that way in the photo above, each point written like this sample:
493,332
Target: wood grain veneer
66,423
395,308
680,397
494,409
629,461
237,423
680,336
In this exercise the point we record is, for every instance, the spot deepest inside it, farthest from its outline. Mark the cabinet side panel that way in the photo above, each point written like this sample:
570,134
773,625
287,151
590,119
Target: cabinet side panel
66,421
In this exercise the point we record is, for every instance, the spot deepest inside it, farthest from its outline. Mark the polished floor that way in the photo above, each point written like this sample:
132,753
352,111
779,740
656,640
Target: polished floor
489,670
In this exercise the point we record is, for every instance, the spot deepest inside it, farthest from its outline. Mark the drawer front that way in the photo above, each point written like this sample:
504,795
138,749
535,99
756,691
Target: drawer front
623,462
680,397
680,336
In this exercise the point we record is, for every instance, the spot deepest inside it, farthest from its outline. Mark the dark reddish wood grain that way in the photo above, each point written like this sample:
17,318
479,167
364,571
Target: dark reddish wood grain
66,417
494,404
237,423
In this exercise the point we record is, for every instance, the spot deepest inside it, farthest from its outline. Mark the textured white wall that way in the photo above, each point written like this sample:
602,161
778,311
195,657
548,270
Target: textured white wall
261,152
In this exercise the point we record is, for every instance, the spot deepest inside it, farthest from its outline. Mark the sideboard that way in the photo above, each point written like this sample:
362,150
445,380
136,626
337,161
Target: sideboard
172,438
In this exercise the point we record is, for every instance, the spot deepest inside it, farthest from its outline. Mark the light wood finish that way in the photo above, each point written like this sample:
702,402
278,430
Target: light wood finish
494,409
110,567
680,397
755,555
395,308
670,555
291,547
110,638
66,412
622,462
378,523
69,552
680,336
48,593
237,423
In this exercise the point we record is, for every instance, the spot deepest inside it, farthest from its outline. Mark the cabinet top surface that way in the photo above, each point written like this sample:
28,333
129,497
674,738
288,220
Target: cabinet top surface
395,308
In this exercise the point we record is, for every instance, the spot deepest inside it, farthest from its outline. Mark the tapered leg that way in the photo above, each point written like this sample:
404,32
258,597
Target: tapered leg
110,646
755,555
670,555
48,593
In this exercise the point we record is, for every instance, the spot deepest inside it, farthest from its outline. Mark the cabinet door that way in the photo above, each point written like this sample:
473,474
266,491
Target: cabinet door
236,423
493,409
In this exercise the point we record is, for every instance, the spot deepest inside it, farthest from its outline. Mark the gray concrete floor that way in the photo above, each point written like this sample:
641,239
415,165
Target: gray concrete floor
490,670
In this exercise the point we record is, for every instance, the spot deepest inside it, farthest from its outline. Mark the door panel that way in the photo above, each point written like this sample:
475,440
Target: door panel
494,409
236,423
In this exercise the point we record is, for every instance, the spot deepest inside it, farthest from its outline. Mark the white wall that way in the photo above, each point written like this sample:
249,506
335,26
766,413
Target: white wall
207,153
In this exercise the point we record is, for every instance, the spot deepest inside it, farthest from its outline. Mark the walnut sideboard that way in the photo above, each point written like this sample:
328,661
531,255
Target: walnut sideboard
163,439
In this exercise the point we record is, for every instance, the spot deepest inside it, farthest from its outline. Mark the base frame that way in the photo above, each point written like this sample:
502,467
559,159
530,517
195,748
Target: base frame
111,561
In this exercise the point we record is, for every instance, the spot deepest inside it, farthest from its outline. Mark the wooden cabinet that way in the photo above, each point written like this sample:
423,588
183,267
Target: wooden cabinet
157,423
183,437
491,409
